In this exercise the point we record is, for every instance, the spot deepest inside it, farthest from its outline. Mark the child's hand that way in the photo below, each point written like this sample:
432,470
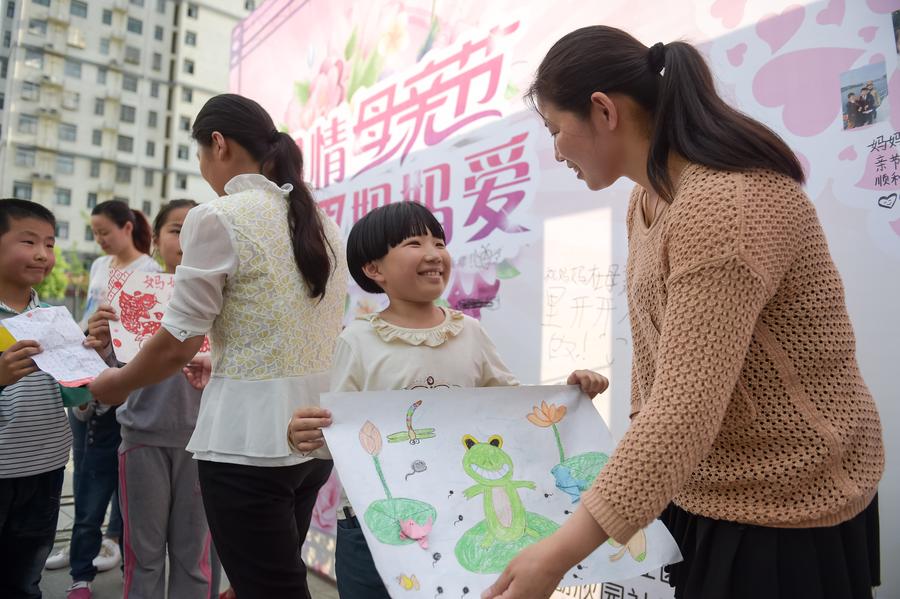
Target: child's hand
305,429
16,362
591,382
198,371
98,329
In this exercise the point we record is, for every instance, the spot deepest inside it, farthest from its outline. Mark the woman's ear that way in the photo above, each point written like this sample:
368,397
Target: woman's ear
219,145
604,111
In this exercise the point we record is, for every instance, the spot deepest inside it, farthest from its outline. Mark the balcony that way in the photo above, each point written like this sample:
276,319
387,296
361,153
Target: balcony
57,14
51,81
48,112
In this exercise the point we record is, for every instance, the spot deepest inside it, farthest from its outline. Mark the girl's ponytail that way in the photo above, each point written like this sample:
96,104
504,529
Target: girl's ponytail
284,164
247,123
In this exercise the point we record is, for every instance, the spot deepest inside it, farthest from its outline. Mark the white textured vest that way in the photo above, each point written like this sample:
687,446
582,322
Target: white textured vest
269,326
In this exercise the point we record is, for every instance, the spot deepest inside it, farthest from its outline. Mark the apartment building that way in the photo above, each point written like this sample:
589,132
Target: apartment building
97,99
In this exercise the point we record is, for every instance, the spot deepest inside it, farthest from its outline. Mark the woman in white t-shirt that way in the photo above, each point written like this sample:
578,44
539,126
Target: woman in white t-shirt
124,236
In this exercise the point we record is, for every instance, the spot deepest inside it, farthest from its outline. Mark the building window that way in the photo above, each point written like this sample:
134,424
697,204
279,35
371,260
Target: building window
2,100
7,39
97,137
152,118
37,27
127,113
3,66
101,75
249,5
11,9
41,2
192,10
188,66
151,149
181,181
183,152
190,38
148,178
161,6
34,59
132,55
62,229
68,132
135,25
31,91
123,173
71,100
88,232
147,207
78,8
125,143
95,173
158,33
121,199
22,190
187,94
107,16
25,157
73,68
99,106
91,201
157,61
28,123
137,2
184,123
65,164
63,196
129,83
154,89
104,46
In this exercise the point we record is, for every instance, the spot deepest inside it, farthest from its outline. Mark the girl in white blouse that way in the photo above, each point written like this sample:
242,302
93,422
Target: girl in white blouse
263,273
400,250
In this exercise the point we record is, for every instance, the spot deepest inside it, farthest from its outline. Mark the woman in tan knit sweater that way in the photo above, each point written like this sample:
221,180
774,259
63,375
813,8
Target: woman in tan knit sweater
753,435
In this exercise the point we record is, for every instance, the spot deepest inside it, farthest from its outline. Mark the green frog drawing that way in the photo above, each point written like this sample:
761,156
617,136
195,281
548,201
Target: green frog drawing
507,528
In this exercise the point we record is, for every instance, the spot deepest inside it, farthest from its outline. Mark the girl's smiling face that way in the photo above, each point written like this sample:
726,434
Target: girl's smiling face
415,270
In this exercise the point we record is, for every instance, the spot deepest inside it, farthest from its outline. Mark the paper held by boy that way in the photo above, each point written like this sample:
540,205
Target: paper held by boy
449,485
62,354
139,300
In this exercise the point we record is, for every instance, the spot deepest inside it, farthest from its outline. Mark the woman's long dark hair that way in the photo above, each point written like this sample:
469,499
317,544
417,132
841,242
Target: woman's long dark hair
247,123
119,213
674,84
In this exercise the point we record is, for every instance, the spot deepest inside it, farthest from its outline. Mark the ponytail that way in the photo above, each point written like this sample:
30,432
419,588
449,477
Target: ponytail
119,213
247,123
284,164
674,84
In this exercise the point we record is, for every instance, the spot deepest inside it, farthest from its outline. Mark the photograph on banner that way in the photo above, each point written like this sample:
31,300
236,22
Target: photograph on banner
864,91
450,485
140,302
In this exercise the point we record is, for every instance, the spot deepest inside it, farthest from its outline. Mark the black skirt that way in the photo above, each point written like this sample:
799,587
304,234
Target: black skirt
727,560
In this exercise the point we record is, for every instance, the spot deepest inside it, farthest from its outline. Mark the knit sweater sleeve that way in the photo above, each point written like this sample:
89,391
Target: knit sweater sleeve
716,287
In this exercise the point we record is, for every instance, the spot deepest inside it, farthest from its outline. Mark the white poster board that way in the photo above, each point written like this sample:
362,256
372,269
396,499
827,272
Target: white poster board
449,485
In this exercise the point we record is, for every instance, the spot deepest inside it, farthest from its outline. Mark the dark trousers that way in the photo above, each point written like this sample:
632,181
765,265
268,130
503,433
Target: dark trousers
258,517
29,507
354,567
95,453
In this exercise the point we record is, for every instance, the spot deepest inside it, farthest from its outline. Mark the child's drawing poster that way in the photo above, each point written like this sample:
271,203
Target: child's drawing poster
450,485
139,300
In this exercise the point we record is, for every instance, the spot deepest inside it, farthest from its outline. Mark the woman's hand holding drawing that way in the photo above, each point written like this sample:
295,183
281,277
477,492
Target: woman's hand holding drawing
592,383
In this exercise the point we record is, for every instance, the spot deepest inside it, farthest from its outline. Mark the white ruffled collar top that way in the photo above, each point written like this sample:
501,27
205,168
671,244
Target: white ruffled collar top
250,181
432,337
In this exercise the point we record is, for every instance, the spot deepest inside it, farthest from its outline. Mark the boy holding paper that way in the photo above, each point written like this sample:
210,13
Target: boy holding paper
34,433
